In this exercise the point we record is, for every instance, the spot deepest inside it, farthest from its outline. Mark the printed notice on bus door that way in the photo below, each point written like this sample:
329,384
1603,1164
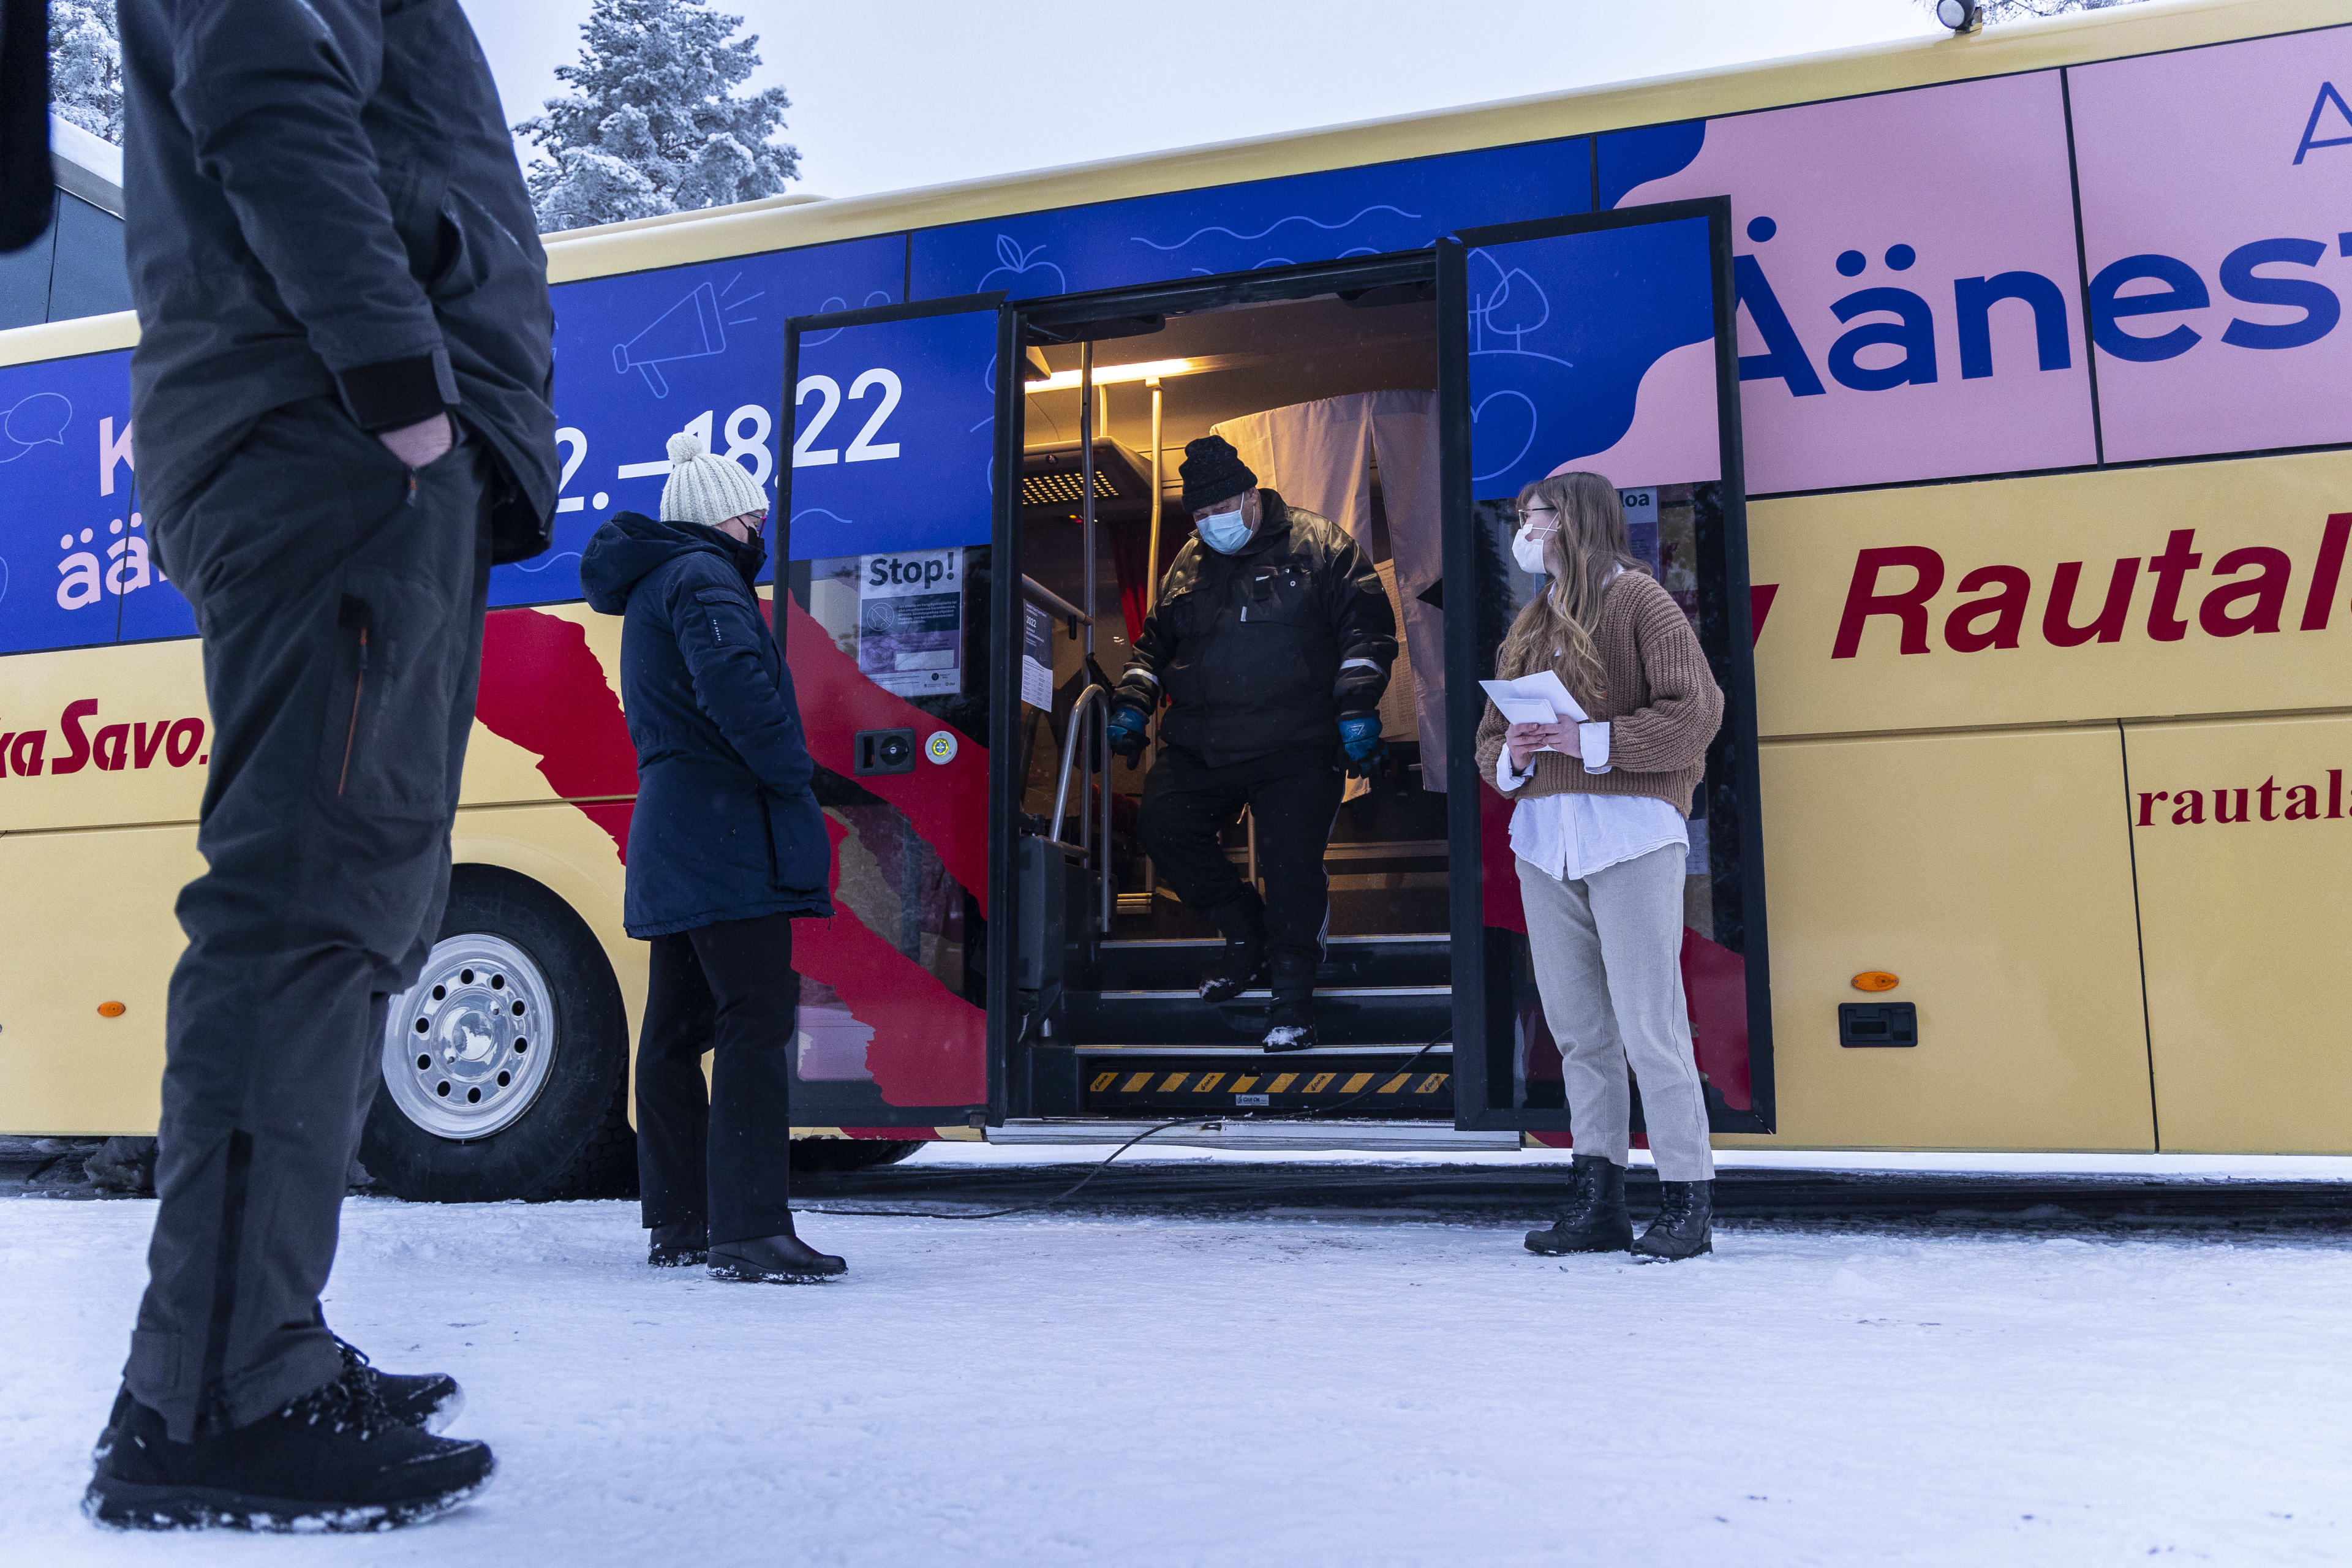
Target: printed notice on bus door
1037,657
911,622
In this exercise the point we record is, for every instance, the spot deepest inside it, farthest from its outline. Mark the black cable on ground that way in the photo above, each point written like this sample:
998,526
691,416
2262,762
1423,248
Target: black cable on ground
1068,1193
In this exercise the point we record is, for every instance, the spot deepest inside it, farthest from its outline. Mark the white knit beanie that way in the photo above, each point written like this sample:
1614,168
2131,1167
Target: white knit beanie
704,488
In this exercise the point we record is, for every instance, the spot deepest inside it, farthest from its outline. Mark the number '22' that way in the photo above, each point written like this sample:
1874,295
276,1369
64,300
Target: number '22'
864,450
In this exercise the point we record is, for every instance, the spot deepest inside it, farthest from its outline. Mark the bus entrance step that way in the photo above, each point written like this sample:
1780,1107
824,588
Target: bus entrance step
1353,1016
1370,1084
1177,965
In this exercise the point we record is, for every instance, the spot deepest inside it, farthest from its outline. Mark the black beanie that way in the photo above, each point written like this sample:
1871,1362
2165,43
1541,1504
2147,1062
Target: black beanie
1213,471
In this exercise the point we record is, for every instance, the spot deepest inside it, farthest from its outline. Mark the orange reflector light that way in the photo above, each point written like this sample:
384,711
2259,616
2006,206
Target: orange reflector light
110,1009
1876,980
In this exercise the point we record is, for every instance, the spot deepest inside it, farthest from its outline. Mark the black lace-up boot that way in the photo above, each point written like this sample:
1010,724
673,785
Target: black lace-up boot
1596,1220
682,1243
1242,964
1685,1226
783,1259
334,1459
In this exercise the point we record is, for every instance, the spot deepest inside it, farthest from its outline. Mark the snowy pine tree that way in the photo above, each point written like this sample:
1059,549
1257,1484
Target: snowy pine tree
653,124
86,67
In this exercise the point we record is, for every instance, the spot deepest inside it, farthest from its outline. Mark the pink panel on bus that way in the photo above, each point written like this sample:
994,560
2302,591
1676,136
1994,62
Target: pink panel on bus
2234,166
1880,207
1673,430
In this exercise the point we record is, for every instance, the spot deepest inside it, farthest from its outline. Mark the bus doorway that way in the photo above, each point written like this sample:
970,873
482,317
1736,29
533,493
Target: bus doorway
1326,382
1408,399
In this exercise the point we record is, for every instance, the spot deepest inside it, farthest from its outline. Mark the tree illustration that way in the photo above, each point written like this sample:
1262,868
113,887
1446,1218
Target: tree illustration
654,123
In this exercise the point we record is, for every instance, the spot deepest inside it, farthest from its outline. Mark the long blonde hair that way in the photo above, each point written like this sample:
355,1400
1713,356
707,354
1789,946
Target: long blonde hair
1559,629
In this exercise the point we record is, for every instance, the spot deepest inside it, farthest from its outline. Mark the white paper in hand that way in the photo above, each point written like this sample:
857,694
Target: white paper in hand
1538,699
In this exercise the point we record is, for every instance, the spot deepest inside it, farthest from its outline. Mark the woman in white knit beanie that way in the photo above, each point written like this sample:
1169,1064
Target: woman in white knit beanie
712,491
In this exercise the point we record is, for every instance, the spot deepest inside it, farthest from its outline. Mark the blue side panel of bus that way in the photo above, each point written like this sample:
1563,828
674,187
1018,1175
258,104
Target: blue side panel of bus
643,356
895,434
73,549
1264,222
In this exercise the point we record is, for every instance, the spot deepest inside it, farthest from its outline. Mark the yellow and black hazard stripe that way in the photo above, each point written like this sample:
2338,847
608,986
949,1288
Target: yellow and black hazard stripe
1173,1084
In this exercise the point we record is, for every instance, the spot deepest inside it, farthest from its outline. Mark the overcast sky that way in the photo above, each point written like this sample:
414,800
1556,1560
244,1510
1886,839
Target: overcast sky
891,95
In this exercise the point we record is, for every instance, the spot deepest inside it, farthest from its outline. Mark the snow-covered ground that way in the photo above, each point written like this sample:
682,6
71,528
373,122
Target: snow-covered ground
1082,1391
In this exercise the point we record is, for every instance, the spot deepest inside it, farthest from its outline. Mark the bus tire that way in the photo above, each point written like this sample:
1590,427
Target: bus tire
850,1154
505,1067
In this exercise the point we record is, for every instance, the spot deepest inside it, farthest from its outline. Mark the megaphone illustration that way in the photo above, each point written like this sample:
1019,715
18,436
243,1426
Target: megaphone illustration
690,329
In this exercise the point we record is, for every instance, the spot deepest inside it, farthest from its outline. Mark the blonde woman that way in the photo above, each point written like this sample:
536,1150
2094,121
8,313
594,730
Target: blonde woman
1600,834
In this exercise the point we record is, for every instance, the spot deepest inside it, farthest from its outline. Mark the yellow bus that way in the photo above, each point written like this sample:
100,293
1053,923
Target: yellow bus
1980,399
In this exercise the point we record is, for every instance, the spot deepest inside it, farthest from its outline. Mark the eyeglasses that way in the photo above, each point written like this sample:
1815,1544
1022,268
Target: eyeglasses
1528,515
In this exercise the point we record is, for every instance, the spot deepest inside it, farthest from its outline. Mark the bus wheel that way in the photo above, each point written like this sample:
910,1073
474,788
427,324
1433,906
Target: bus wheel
850,1153
506,1065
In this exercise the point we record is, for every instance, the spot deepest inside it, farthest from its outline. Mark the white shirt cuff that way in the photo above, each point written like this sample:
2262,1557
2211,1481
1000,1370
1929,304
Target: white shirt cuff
1508,778
1592,740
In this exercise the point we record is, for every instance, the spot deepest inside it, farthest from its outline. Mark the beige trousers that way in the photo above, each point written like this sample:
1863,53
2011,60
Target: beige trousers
1607,961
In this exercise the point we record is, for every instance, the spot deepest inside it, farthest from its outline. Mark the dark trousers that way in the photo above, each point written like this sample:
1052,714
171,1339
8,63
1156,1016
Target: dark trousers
1294,796
342,617
726,988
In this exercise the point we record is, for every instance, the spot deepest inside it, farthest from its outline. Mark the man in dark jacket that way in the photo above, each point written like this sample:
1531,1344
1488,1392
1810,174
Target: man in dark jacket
1271,644
341,395
725,847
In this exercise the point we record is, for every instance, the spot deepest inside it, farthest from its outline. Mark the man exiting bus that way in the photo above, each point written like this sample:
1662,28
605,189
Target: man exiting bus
340,391
1271,644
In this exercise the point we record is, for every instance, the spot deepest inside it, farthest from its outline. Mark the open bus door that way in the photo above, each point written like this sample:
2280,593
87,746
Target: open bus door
1602,342
885,509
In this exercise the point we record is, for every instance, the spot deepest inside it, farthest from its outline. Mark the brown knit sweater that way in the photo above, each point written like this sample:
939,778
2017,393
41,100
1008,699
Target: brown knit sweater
1663,705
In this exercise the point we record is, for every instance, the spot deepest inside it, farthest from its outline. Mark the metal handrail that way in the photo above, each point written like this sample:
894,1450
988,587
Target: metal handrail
1047,599
1094,842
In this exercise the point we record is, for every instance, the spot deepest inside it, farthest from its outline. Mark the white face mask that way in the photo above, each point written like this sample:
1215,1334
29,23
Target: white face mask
1529,552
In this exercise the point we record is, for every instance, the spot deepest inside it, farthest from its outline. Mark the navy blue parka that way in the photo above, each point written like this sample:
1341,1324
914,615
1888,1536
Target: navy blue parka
724,827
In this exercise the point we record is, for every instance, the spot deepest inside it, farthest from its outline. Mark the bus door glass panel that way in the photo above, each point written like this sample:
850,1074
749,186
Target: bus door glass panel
886,500
1601,344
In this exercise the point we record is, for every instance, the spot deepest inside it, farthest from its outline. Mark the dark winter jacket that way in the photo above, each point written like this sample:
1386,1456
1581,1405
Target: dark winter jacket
725,827
323,198
1266,648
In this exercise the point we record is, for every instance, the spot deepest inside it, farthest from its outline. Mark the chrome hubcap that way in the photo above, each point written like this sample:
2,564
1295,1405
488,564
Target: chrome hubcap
470,1044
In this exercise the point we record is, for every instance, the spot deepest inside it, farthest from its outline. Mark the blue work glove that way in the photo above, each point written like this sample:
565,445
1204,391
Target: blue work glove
1359,737
1128,737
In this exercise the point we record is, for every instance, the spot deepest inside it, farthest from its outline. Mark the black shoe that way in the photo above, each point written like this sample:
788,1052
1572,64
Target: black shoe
1683,1227
1290,1022
783,1259
1596,1220
428,1399
1242,964
334,1459
683,1244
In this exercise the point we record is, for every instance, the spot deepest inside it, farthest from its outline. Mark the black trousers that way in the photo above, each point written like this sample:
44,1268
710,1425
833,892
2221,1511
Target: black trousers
725,1157
340,610
1294,795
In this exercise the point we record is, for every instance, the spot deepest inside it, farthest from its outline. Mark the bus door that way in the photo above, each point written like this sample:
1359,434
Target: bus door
1603,343
885,511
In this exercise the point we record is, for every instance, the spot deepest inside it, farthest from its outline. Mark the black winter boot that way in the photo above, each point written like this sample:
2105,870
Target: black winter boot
682,1243
334,1459
1596,1220
783,1259
1290,1022
1242,964
1683,1227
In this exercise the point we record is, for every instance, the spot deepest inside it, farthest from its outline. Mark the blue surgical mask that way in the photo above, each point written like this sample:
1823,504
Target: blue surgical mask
1223,531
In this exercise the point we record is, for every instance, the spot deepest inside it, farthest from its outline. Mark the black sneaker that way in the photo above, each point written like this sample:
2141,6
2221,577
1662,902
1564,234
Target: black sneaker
428,1399
1290,1021
1242,964
334,1459
783,1259
432,1400
683,1244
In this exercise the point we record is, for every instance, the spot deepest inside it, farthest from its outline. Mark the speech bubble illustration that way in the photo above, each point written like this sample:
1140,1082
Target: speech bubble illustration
37,420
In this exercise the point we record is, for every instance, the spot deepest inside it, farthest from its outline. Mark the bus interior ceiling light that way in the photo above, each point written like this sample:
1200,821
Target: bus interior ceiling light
1960,16
1111,374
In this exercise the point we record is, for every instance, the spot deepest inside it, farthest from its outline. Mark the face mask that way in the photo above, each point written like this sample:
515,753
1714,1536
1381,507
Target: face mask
1528,552
1223,531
